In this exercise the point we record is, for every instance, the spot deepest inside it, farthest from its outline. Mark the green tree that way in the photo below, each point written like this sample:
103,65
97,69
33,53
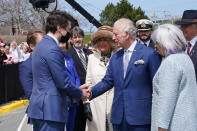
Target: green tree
123,9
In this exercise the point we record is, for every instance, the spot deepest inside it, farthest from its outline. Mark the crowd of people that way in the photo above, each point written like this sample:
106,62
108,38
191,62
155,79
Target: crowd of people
13,52
134,78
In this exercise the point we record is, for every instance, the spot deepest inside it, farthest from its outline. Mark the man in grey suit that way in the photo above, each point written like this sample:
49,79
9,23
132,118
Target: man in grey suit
188,25
48,106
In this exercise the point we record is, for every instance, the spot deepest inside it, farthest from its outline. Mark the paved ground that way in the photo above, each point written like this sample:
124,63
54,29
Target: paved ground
10,121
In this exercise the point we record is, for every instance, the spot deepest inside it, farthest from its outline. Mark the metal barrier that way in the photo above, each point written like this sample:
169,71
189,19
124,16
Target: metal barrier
10,88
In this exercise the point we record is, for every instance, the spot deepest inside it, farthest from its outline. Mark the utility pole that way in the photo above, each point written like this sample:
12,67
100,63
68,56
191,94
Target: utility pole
13,26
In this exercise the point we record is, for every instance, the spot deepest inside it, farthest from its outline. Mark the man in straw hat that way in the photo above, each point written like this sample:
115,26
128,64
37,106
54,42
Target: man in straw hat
188,25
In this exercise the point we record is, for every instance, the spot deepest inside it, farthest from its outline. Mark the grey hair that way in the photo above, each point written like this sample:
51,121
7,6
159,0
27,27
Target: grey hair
170,37
126,25
77,31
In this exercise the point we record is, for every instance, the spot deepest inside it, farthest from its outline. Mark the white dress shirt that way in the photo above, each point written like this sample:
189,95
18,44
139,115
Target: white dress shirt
193,41
53,37
130,49
77,50
145,43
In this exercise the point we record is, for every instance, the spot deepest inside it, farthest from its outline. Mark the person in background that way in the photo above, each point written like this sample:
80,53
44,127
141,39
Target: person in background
25,54
99,60
144,31
72,73
25,68
174,105
26,76
188,25
15,51
7,52
80,56
2,53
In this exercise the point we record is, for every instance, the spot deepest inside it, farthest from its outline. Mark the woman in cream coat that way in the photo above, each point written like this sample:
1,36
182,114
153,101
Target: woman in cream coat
97,66
174,85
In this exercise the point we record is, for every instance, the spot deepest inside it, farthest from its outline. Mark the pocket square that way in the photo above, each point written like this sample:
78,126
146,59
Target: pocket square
139,62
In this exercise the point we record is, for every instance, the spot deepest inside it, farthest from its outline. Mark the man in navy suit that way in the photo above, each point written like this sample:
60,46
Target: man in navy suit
25,68
188,25
48,106
130,72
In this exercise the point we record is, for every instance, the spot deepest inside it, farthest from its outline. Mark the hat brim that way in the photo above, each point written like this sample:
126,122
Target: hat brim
184,23
101,34
144,29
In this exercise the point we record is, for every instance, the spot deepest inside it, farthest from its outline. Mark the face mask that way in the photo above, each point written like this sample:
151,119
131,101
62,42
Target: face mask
65,38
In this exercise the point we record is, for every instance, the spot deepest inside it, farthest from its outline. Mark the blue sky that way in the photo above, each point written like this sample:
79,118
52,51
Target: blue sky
160,8
172,7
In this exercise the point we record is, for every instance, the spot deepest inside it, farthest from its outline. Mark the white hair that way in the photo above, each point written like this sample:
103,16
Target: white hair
126,25
170,37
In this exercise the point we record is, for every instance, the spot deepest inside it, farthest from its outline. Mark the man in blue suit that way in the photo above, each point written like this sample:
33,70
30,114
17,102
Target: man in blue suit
48,106
25,68
130,72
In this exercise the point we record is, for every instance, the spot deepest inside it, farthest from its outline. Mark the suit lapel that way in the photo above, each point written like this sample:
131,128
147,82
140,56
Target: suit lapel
135,56
151,44
120,63
76,58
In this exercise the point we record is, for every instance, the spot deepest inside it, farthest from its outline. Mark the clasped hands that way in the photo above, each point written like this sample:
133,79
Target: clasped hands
86,91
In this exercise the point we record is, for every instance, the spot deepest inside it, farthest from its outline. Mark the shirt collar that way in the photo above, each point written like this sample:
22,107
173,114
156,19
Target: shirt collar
132,46
77,50
193,41
53,37
147,43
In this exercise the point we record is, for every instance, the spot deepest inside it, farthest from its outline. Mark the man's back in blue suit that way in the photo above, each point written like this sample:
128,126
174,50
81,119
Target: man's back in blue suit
133,92
51,85
25,68
26,77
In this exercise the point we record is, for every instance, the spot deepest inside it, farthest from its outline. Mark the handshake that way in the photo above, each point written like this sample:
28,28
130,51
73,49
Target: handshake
86,93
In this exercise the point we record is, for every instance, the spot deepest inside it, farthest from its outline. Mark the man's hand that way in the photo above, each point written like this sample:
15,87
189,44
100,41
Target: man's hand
86,91
84,86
